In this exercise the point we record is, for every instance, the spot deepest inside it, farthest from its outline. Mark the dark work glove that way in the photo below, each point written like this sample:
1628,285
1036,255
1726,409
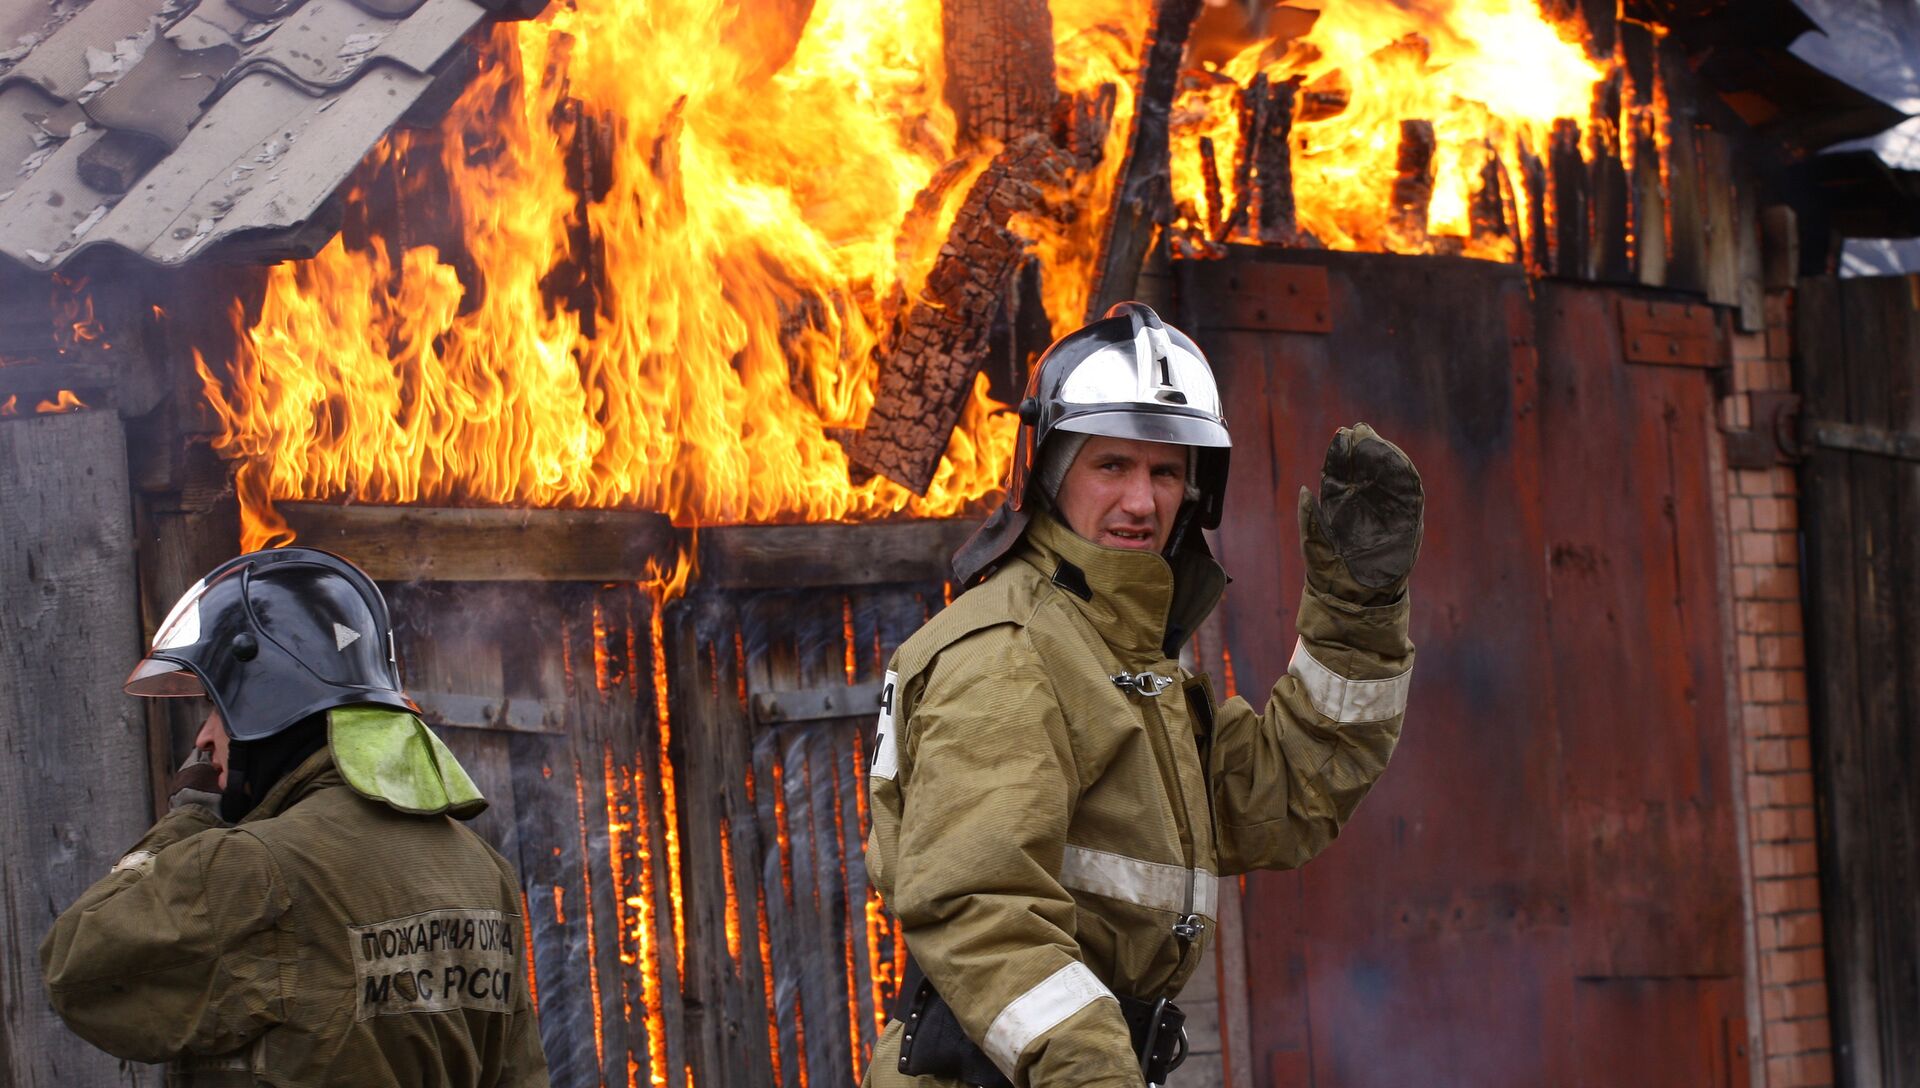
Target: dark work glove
197,782
1363,534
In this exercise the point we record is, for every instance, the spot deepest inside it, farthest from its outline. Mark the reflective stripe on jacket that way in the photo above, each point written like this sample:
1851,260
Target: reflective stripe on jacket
1042,820
327,939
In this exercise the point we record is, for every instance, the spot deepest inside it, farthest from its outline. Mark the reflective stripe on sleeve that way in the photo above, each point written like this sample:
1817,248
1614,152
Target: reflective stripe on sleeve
885,761
1039,1011
1145,883
1346,700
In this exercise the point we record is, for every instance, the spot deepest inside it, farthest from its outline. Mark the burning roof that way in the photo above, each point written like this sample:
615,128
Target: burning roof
162,128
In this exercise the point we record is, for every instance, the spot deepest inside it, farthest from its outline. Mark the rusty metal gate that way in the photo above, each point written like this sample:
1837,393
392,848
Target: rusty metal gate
1857,346
1545,888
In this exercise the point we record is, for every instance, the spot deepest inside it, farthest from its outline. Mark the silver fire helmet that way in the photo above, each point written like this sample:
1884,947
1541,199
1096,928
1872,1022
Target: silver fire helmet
1127,375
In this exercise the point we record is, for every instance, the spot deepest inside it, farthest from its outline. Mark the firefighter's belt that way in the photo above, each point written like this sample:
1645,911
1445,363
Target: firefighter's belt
935,1045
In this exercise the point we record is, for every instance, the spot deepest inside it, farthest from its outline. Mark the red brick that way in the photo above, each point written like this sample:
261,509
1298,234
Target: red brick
1778,583
1800,755
1800,1071
1795,681
1771,824
1799,930
1768,617
1792,965
1785,790
1753,549
1762,686
1779,346
1740,518
1770,754
1778,308
1786,896
1774,513
1797,1037
1782,652
1789,720
1786,548
1785,859
1806,826
1794,1002
1752,481
1749,346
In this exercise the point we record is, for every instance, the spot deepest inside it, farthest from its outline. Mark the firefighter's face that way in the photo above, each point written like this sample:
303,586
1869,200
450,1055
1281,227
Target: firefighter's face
213,738
1123,492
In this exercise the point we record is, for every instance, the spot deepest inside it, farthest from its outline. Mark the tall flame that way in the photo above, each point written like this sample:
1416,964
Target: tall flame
1490,76
680,338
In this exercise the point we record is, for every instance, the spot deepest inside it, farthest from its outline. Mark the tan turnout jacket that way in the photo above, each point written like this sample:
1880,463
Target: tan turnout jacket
326,939
1039,830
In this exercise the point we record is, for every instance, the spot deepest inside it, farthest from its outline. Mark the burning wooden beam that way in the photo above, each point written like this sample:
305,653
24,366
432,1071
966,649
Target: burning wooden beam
1488,223
1570,200
1272,159
1000,78
1143,195
1413,185
943,338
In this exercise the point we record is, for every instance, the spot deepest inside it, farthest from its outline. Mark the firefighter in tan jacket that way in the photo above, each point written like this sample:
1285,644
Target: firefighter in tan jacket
1054,795
344,930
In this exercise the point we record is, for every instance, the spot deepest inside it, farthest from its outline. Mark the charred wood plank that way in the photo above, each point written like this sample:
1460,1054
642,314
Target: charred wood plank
810,556
1000,79
1533,178
1413,185
1687,237
1143,195
1570,201
944,336
1487,213
1609,261
1718,217
1085,121
74,798
1273,160
413,543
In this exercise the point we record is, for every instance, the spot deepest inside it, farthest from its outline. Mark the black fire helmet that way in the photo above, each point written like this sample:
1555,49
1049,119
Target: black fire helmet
273,637
1127,375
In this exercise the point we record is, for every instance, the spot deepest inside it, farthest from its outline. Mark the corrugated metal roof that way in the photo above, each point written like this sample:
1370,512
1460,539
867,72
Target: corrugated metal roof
164,126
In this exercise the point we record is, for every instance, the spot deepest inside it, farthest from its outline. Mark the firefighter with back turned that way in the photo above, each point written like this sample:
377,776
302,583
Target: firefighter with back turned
310,911
1054,795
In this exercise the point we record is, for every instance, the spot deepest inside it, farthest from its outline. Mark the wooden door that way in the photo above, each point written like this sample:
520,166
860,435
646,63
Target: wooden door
1550,865
1857,360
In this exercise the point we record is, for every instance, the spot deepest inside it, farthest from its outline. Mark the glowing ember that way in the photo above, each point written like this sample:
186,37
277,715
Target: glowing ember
644,927
733,901
766,977
848,640
1490,76
586,896
10,406
526,936
669,803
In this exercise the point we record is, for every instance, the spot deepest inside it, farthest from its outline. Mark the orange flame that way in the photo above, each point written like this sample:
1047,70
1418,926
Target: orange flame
10,406
730,268
64,401
1491,76
644,927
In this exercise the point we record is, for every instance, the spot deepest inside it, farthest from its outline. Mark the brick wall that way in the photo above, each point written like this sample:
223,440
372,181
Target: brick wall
1762,512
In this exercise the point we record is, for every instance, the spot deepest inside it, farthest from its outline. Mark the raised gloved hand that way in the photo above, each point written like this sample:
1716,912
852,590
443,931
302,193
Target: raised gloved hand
197,782
1363,534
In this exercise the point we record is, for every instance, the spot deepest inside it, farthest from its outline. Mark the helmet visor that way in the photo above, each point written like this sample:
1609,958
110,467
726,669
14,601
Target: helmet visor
158,678
1148,426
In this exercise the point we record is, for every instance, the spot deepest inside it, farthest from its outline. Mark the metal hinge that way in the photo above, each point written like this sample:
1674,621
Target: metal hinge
1782,435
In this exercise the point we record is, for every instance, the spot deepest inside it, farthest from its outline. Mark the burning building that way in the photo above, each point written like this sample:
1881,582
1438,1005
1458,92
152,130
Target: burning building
654,356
